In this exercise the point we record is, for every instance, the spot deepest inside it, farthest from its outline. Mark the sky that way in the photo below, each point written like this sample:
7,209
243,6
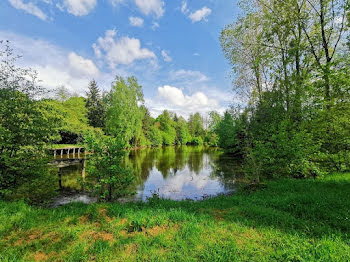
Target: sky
171,46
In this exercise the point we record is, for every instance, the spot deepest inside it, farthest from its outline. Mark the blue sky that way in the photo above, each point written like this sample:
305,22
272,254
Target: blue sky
171,46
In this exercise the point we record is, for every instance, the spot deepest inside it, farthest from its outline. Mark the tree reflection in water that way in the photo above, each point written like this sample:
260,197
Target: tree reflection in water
180,172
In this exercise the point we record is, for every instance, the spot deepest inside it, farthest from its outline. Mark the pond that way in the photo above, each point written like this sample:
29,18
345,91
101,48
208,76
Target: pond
177,173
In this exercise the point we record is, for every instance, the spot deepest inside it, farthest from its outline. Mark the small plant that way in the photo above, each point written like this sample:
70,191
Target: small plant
107,175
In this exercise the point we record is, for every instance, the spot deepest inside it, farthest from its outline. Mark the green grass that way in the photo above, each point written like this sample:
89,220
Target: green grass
290,220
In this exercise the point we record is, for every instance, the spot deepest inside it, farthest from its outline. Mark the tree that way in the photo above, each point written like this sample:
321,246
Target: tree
73,115
62,94
96,112
107,175
167,126
195,125
182,133
212,138
155,136
124,116
288,59
26,125
147,120
324,30
226,131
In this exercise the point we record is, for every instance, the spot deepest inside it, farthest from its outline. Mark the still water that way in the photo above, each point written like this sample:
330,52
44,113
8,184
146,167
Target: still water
176,173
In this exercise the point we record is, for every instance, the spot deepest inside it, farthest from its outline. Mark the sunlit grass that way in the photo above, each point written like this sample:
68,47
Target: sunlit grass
290,220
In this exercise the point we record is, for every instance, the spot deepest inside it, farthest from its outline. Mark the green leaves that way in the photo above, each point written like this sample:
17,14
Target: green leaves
124,116
96,108
291,75
107,176
26,125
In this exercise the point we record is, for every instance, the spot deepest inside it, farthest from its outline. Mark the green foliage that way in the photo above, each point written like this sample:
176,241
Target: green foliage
155,136
73,114
167,126
107,175
290,73
24,121
96,112
226,131
195,125
196,141
124,116
26,125
147,121
182,132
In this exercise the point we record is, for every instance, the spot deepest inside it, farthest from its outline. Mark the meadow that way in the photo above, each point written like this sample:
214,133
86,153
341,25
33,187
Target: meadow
288,220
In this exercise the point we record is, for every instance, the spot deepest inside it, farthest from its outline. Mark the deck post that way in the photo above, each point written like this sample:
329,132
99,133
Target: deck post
61,153
83,173
54,154
83,170
60,178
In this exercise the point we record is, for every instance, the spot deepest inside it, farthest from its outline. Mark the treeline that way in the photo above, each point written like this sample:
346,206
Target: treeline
121,113
291,65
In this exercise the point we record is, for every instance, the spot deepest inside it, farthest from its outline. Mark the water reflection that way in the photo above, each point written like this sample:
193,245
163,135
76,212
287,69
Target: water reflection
183,172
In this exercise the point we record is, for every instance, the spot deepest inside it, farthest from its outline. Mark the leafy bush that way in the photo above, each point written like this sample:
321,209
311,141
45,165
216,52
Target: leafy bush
197,141
107,176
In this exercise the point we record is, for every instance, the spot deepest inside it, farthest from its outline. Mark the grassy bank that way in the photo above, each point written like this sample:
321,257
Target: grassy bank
290,220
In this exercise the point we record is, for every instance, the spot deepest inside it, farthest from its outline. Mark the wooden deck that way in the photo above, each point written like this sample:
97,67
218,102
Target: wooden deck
76,152
68,156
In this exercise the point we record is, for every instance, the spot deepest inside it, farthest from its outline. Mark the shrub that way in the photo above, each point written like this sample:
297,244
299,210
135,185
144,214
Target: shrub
107,175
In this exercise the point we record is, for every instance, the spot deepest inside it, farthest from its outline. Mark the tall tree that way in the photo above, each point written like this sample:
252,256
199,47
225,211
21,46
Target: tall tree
96,112
182,133
195,125
147,120
124,116
167,126
324,30
289,59
26,125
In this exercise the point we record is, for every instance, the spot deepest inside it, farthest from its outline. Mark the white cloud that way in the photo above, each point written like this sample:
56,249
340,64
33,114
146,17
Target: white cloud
188,76
151,6
196,54
136,21
177,98
184,8
174,99
56,66
155,25
123,51
200,14
29,7
116,2
185,182
79,7
166,57
82,66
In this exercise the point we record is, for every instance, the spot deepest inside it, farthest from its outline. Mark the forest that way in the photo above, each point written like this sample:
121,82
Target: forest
288,128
